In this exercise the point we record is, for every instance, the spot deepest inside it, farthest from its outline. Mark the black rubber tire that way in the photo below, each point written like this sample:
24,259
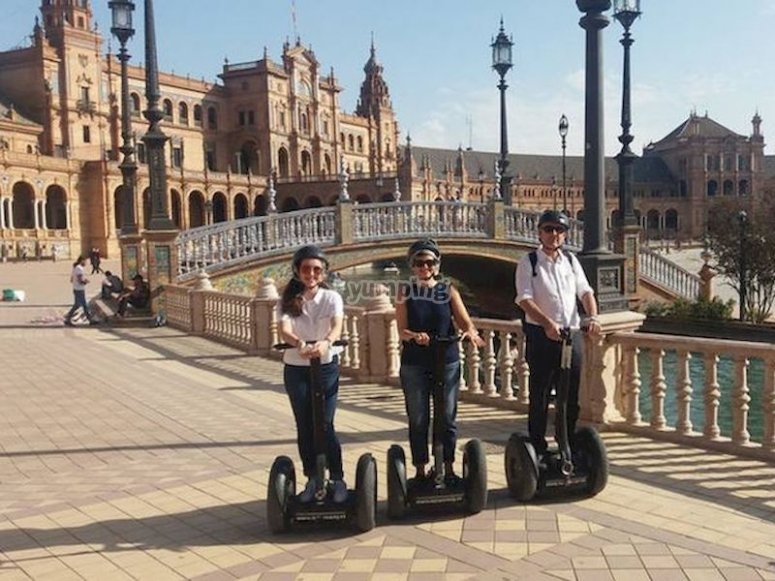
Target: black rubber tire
590,452
521,467
366,493
396,482
281,486
475,476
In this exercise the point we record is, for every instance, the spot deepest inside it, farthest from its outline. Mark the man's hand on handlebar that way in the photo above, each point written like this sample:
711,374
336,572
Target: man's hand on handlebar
473,337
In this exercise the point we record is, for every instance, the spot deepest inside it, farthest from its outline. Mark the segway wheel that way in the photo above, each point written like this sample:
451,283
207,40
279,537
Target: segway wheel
366,493
396,482
475,476
593,458
282,485
521,467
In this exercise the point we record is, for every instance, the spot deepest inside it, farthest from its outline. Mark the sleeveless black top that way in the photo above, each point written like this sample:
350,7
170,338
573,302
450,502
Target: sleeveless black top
428,310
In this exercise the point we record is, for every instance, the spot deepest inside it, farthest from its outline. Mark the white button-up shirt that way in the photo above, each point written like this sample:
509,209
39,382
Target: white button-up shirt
314,323
554,288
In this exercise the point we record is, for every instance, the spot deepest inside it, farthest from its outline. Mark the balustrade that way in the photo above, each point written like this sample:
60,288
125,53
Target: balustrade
710,383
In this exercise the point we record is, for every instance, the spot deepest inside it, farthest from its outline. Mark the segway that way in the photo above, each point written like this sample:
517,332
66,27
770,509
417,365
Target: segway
468,492
283,507
580,466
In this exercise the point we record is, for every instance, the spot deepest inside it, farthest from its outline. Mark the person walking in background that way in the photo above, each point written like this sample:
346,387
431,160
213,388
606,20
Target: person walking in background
94,258
79,281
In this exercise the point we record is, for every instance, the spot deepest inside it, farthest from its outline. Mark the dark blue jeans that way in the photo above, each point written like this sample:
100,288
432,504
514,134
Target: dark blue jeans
417,383
79,302
299,390
543,358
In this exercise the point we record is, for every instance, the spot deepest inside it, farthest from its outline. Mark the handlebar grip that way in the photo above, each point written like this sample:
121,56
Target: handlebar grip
284,346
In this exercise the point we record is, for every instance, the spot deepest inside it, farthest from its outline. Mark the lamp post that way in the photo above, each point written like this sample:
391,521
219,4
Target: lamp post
742,219
155,138
501,62
603,269
563,129
123,31
626,12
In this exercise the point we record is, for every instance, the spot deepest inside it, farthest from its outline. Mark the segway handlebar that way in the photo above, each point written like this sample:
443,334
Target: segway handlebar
284,346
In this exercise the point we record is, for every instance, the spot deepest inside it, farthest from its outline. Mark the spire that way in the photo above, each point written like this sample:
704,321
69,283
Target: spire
375,94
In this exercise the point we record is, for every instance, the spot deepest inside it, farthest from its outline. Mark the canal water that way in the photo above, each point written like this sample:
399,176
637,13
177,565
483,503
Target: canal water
726,382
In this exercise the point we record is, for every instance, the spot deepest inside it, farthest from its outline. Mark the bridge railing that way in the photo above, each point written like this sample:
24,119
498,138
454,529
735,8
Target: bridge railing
227,244
667,274
230,243
392,220
710,393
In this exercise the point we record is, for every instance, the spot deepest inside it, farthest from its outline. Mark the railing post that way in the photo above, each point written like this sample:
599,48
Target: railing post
265,329
496,223
379,344
201,286
603,372
344,222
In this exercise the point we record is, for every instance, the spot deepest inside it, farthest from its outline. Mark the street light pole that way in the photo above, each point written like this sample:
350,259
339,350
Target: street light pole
563,128
626,12
155,139
123,31
742,218
501,62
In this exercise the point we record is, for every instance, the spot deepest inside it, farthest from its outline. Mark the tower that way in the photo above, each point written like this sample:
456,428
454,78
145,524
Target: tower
374,104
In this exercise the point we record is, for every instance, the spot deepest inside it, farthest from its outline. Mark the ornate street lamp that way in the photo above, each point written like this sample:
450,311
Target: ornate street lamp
123,31
155,139
742,219
563,129
501,62
626,12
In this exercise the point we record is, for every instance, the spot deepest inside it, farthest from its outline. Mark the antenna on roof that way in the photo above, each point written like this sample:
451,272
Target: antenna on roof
470,123
293,20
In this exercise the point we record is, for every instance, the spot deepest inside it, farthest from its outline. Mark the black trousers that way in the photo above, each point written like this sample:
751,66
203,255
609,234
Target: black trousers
543,357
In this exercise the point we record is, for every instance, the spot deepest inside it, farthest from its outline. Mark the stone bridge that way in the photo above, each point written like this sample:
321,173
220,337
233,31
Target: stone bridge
354,234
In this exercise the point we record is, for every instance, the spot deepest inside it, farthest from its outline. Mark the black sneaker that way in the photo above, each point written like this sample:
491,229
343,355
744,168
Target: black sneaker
69,323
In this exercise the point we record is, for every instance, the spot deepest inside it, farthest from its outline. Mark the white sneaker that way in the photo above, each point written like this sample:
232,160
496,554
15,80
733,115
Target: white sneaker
339,491
309,491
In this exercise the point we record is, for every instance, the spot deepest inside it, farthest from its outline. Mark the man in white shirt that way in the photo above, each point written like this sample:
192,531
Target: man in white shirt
79,280
549,291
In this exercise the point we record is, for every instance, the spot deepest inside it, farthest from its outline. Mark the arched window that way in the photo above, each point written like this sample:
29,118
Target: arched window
212,118
282,162
743,187
135,98
360,144
167,110
306,163
729,187
183,113
198,115
712,188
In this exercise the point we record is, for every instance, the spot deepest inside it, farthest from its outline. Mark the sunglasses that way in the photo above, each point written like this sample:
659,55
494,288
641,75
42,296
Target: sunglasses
554,229
430,263
306,269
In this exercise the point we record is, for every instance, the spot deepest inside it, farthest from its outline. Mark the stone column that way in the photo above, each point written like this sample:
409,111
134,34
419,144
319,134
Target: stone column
344,222
496,220
599,400
380,345
266,333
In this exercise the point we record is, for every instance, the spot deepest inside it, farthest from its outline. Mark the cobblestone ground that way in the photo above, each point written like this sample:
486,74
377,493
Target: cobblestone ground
144,454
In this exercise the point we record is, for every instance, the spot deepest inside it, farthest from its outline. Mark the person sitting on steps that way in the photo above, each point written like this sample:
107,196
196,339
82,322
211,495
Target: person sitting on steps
139,297
111,284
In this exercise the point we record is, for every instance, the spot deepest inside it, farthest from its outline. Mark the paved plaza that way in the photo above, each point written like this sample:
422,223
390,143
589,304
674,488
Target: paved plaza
143,453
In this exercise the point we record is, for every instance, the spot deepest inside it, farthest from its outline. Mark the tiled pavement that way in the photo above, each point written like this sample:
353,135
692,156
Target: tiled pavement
144,453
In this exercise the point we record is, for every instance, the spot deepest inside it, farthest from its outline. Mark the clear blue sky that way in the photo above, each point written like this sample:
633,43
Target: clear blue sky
703,55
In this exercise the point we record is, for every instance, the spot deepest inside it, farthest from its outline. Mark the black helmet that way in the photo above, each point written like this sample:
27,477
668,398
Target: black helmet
554,217
424,245
305,252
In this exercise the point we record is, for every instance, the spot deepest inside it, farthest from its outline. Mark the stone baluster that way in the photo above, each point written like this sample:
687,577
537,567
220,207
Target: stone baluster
632,386
474,367
658,389
490,364
463,355
740,401
355,343
712,395
768,405
684,394
393,352
507,367
523,373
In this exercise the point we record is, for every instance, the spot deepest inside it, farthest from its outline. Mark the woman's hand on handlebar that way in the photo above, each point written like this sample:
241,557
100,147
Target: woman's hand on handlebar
421,338
318,349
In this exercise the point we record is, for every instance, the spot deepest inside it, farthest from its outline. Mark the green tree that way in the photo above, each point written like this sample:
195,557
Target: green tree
741,238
